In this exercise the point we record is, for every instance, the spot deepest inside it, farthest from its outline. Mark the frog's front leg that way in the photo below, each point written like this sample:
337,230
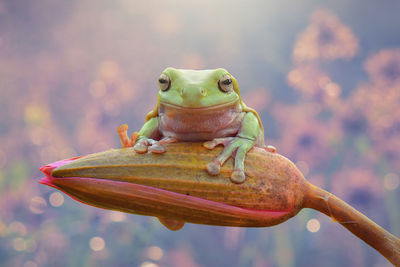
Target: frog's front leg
143,140
237,147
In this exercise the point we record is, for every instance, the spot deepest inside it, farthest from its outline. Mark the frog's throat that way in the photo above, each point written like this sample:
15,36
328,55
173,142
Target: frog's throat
218,106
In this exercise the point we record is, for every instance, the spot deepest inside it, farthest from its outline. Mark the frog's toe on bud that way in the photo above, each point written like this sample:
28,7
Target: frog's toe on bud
140,148
270,148
213,167
209,144
238,176
157,148
218,141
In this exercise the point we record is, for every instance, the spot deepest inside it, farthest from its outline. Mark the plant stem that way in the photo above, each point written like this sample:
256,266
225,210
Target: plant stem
357,223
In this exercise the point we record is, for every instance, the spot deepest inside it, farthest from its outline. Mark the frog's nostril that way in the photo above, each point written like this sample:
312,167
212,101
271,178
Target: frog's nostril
193,92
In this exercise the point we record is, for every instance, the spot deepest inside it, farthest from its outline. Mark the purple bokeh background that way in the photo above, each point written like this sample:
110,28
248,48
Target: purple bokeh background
324,76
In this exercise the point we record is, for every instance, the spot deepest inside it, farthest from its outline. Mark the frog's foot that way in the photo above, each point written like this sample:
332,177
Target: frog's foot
214,167
238,176
270,148
145,144
234,146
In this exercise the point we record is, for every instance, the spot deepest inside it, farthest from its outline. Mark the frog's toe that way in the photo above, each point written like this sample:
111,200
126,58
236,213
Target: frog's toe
209,144
157,148
213,167
217,141
168,140
238,176
140,148
270,148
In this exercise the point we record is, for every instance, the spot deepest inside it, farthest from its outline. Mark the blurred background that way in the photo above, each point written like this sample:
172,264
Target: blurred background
324,76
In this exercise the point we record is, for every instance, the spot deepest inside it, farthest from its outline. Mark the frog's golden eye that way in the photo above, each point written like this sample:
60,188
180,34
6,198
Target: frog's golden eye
164,82
225,83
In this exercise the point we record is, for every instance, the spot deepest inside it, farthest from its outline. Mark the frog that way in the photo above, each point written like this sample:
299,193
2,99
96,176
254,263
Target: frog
201,106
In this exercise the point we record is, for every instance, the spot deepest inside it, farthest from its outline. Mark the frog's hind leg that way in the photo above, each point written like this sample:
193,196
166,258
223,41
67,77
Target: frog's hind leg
238,176
235,147
123,135
214,167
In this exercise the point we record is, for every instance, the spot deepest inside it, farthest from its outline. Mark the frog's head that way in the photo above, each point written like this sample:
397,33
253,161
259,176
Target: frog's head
197,88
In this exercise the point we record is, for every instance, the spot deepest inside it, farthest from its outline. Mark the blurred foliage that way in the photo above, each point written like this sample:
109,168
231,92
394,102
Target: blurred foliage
325,79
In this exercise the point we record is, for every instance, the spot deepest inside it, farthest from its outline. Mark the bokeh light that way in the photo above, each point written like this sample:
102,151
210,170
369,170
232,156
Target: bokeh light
314,83
391,181
97,243
31,245
148,264
56,199
313,225
19,244
37,205
18,228
117,216
154,253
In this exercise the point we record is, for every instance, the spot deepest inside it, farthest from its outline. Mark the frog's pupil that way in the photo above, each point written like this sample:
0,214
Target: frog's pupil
227,82
162,80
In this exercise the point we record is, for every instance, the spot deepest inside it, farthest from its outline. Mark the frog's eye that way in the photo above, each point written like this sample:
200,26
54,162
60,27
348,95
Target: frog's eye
164,82
225,83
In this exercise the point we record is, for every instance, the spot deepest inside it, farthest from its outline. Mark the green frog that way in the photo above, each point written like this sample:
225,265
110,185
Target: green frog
201,105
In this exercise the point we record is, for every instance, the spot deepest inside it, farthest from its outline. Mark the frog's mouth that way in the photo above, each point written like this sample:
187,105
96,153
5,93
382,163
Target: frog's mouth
233,103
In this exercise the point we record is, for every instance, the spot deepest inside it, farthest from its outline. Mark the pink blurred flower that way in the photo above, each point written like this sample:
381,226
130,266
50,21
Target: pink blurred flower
314,83
357,185
325,38
303,136
384,67
257,99
379,118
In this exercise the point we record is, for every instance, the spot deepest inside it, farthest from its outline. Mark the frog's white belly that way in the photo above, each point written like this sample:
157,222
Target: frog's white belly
186,124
